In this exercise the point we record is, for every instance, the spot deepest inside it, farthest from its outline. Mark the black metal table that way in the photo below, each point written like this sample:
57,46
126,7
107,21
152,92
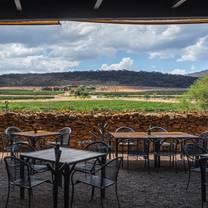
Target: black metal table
70,157
155,137
34,136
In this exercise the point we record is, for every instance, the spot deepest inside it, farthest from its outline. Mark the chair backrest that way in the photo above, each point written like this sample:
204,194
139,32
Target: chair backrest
13,167
65,136
9,131
168,145
23,147
112,168
124,129
139,145
193,151
203,138
157,129
98,147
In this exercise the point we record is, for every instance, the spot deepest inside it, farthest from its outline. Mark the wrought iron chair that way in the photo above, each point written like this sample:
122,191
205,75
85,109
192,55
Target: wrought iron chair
158,129
24,147
64,138
99,181
90,166
125,143
29,181
203,139
167,148
85,142
12,138
7,148
139,148
193,153
203,163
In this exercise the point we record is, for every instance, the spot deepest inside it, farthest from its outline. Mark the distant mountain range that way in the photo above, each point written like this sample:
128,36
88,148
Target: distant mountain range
123,77
199,74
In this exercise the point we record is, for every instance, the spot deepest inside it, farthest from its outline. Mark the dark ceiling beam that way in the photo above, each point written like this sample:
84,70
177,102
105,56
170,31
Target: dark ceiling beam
18,5
178,3
98,4
116,11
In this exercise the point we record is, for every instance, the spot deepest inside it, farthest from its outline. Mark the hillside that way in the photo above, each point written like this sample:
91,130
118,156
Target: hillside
199,74
131,78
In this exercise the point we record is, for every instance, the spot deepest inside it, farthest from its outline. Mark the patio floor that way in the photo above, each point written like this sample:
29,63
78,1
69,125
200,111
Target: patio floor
137,188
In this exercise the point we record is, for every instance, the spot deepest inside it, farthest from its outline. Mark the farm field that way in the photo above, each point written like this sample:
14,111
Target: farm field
118,99
92,105
28,92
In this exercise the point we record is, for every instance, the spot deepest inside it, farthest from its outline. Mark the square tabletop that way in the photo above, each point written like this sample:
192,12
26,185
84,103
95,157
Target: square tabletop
39,133
153,135
68,155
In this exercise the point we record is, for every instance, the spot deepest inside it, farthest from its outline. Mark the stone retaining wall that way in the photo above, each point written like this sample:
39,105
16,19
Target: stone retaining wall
82,123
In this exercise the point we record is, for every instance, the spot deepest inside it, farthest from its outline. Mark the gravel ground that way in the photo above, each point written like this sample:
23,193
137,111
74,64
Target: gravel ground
137,188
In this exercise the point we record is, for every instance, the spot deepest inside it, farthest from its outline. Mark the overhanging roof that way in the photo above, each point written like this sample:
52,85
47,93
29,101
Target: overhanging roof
110,11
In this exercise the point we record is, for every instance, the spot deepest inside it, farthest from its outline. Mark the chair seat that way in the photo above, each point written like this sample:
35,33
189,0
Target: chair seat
87,167
84,168
137,153
85,142
34,181
53,143
40,168
96,181
165,144
127,143
22,141
165,154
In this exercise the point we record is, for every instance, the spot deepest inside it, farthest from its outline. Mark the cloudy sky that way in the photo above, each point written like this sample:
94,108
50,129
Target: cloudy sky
75,46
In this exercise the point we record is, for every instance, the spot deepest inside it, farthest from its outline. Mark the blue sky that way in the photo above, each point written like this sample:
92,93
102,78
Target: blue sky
177,49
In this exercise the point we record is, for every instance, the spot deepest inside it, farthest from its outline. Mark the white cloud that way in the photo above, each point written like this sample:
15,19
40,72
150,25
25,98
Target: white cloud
30,49
197,51
125,63
161,55
178,71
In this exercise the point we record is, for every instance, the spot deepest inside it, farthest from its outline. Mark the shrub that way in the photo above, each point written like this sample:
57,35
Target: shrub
197,95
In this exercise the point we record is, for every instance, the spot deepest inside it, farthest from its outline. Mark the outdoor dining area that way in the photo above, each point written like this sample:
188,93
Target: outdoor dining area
121,168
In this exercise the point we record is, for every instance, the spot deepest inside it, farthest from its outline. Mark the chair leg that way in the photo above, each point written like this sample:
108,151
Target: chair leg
29,196
92,193
8,194
101,201
148,164
189,179
116,190
176,164
184,164
72,195
127,162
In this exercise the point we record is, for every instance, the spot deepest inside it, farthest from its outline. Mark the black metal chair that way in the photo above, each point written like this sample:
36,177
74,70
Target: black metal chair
64,138
125,143
193,153
139,148
24,147
90,166
203,163
12,139
6,146
99,181
158,129
203,139
29,181
166,148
